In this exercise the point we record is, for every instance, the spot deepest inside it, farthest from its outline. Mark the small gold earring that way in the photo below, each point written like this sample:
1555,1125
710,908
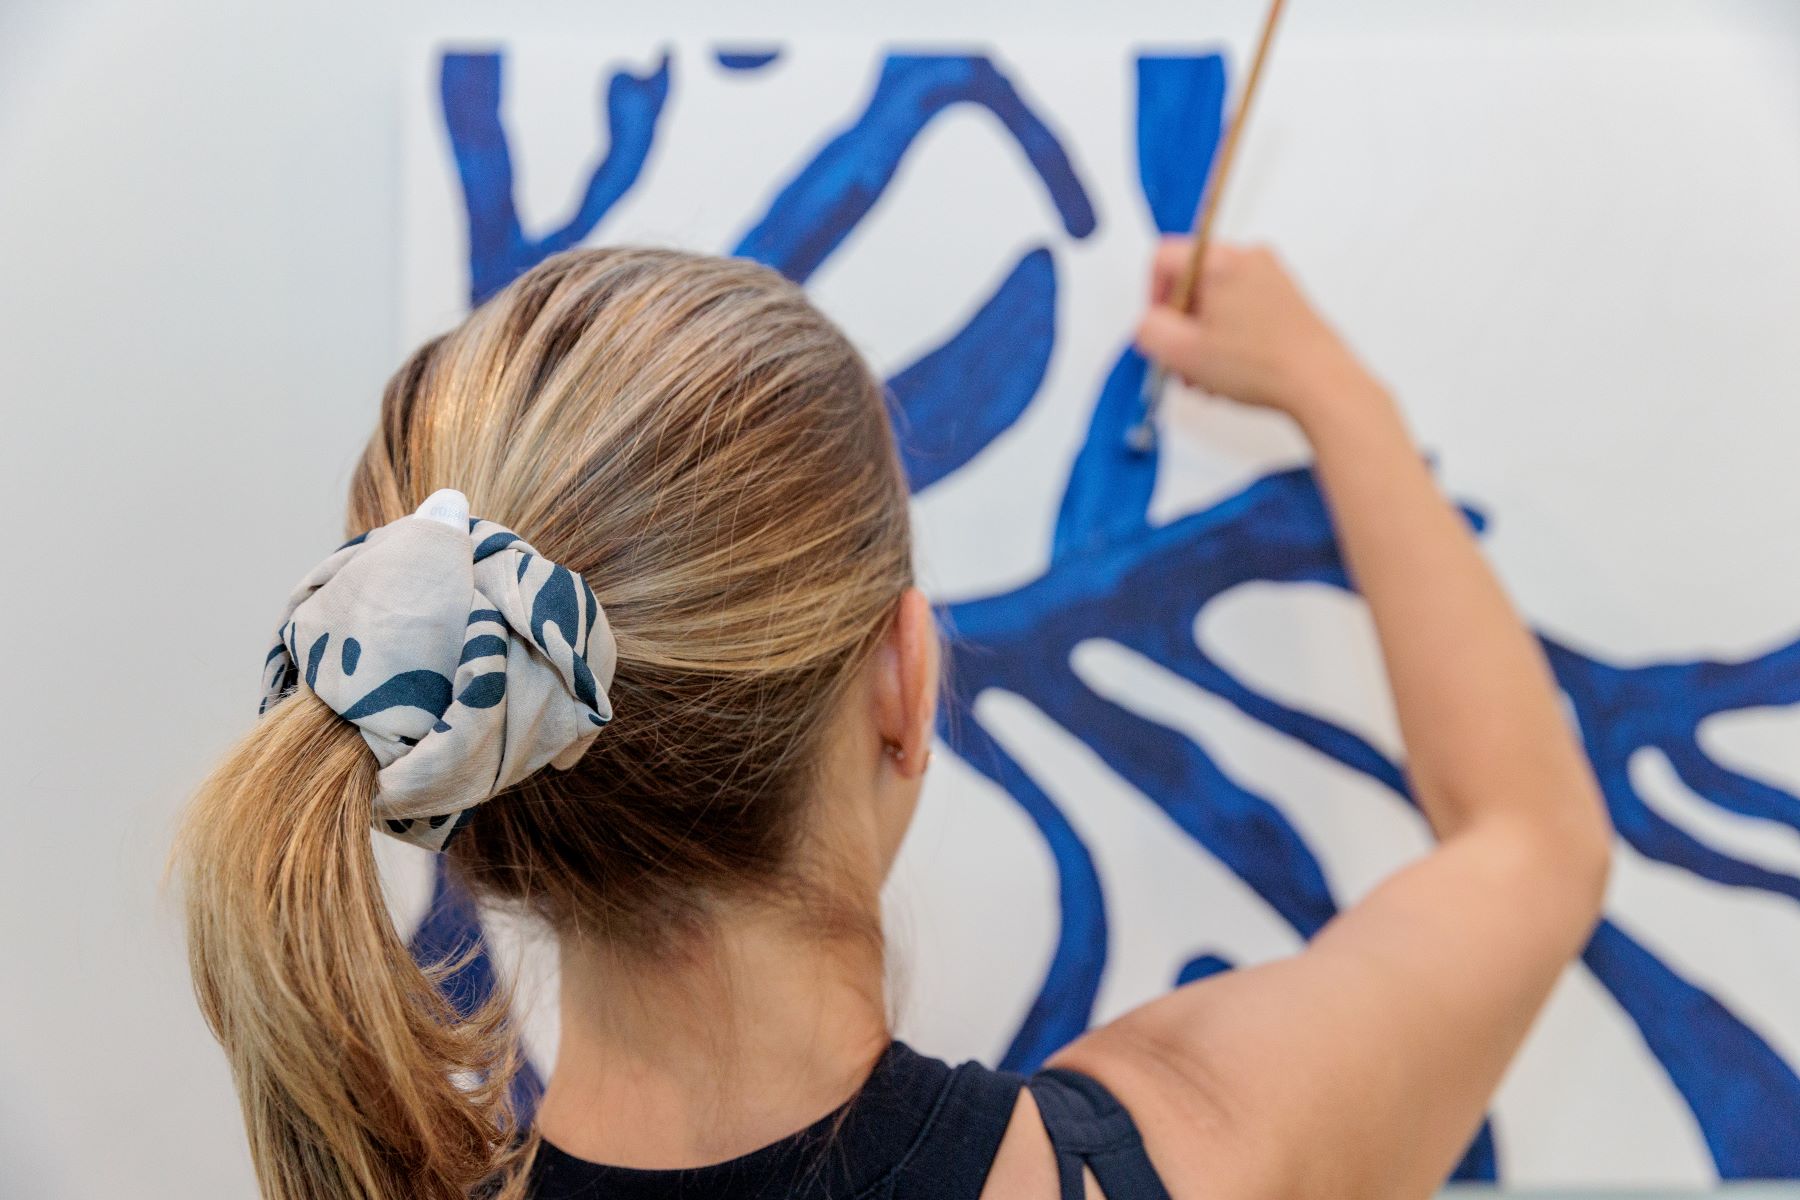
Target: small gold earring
897,752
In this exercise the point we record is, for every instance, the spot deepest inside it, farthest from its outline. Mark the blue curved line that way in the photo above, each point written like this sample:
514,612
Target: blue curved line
1064,1005
1621,710
1239,828
1275,525
1731,790
813,214
959,397
1326,737
1203,966
1745,1098
1654,836
747,60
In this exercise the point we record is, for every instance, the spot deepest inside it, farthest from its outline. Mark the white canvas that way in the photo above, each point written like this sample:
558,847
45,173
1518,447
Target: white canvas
1492,228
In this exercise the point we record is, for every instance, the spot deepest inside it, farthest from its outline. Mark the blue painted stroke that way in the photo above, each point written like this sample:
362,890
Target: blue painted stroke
1064,1006
499,248
835,190
1202,966
1108,493
1744,1096
1180,112
955,400
747,60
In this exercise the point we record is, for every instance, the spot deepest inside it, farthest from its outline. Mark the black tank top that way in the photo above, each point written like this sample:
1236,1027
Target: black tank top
918,1130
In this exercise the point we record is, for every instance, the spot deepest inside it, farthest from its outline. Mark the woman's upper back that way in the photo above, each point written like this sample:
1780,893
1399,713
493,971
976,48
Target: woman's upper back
919,1129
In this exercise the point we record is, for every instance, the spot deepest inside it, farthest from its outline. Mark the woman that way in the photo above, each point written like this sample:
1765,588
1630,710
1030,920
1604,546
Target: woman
680,503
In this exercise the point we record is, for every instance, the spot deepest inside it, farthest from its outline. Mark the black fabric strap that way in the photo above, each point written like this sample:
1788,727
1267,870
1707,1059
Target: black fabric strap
1089,1128
952,1160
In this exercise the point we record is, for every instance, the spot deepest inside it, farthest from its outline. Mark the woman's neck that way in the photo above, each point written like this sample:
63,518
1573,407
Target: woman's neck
666,1064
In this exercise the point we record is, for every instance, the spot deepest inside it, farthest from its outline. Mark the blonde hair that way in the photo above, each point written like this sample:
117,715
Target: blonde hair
711,454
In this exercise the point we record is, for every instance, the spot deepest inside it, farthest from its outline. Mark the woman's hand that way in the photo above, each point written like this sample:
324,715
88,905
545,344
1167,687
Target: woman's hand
1254,338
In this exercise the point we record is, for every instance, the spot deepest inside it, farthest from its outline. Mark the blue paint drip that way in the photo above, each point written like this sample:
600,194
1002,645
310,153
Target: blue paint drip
349,655
958,398
816,211
499,249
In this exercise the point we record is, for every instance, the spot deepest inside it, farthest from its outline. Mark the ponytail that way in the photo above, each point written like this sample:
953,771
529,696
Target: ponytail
357,1077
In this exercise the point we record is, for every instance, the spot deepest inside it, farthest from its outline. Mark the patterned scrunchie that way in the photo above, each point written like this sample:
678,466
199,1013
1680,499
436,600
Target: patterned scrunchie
467,659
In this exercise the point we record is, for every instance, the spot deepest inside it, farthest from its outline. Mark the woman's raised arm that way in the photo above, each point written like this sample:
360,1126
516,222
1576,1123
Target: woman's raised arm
1362,1065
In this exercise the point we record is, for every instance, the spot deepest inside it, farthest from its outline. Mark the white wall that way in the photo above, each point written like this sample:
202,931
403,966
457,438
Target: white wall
200,221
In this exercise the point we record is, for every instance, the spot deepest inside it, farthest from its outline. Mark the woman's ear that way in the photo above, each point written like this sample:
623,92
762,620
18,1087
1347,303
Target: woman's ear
906,684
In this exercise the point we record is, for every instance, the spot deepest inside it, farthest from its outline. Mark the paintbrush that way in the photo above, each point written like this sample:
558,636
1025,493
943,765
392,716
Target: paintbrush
1141,437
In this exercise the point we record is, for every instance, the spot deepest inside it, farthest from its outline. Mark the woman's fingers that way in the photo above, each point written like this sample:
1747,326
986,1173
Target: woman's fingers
1171,338
1251,335
1170,262
1166,266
